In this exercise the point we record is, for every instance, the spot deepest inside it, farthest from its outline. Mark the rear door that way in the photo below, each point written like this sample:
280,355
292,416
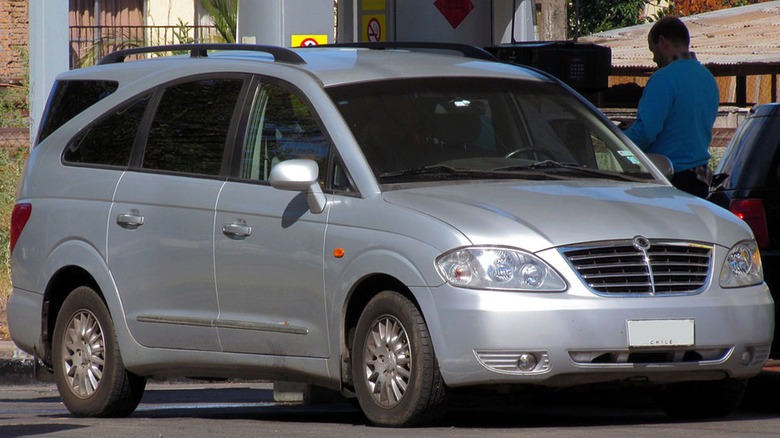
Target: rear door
160,236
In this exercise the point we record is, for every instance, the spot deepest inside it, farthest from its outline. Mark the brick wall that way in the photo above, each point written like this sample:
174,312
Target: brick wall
14,25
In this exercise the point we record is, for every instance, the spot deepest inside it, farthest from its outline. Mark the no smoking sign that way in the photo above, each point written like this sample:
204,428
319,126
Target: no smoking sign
373,28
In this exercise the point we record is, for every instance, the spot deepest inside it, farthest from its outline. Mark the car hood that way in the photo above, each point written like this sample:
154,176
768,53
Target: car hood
539,215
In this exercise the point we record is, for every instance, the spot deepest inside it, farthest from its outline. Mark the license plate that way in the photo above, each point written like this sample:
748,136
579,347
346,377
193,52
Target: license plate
660,332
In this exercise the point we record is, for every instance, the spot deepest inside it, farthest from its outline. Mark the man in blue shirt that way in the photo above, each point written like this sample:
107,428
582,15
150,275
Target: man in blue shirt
678,107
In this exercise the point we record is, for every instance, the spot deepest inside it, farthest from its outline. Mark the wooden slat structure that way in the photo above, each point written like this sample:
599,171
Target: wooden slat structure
741,46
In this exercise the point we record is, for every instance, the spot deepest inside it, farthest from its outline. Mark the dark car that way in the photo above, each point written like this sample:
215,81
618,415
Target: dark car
747,182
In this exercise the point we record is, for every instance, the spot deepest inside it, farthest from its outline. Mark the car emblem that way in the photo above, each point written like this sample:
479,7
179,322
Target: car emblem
641,243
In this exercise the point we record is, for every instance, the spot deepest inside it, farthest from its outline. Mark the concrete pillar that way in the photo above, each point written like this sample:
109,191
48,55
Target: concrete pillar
49,53
287,23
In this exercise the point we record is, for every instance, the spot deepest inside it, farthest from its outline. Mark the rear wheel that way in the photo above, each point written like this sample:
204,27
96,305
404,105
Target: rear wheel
88,367
697,400
396,376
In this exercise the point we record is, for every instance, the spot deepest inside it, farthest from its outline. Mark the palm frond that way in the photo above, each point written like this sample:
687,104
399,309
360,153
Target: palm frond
224,14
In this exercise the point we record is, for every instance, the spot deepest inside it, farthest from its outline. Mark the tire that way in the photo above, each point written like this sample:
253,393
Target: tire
699,400
394,368
88,367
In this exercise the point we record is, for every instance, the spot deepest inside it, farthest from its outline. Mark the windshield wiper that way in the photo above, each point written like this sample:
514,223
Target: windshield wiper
427,170
548,165
443,172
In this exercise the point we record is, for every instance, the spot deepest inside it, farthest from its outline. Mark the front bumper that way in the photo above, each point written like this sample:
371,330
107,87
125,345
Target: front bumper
578,337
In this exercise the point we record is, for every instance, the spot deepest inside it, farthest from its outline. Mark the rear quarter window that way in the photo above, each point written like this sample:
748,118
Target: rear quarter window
68,99
109,141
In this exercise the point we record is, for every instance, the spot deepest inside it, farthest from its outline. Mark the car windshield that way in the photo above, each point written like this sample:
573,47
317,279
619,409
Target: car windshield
437,129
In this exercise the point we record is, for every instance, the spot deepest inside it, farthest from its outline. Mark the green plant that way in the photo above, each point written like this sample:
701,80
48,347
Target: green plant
105,45
716,154
224,14
182,33
14,108
11,165
587,17
13,98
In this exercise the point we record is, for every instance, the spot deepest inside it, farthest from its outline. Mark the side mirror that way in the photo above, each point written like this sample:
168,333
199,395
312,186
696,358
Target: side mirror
663,163
300,176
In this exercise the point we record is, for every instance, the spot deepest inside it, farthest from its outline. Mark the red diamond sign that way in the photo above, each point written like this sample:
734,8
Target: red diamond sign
455,11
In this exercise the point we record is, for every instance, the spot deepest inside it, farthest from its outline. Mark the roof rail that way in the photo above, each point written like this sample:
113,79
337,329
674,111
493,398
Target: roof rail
464,49
280,54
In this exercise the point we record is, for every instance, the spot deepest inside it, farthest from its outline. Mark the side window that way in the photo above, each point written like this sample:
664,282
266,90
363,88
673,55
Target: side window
109,141
341,181
281,127
190,128
68,99
745,137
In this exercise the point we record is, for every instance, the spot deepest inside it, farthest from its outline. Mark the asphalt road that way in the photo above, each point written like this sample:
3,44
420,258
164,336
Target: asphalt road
245,409
194,409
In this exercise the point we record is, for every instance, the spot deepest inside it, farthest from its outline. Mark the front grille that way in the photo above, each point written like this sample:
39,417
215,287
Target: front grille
650,267
712,355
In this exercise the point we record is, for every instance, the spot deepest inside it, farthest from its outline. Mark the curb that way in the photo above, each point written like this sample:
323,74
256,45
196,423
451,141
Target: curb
17,372
16,366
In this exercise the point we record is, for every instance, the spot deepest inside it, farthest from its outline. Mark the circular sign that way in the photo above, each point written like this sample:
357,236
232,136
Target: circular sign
374,30
308,42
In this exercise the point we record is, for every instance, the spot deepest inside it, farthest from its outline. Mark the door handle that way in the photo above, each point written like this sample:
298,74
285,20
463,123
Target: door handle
237,229
130,220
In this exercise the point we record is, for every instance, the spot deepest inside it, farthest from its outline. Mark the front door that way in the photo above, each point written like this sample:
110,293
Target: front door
268,245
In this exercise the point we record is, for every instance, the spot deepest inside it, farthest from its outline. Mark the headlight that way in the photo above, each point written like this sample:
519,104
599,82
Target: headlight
742,266
498,268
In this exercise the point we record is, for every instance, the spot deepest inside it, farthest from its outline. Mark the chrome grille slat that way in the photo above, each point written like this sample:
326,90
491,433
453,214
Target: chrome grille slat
621,268
604,256
614,275
625,284
614,266
677,274
694,263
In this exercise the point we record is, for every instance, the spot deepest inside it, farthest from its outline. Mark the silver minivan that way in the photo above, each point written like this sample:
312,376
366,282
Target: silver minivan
398,223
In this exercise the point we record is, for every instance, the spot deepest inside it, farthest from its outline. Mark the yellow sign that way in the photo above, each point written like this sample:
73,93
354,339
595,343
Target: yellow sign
373,5
308,40
374,28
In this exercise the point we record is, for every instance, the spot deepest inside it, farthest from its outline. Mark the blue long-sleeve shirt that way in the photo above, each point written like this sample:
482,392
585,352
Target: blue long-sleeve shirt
676,114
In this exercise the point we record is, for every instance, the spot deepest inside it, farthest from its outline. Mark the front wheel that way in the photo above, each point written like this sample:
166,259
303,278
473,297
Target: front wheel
396,376
699,400
88,367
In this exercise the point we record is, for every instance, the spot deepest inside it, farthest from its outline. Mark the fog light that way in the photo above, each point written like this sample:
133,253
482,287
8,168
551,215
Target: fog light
526,362
747,357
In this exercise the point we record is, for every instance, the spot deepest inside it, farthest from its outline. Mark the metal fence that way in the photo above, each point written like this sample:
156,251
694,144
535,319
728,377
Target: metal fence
14,138
90,43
